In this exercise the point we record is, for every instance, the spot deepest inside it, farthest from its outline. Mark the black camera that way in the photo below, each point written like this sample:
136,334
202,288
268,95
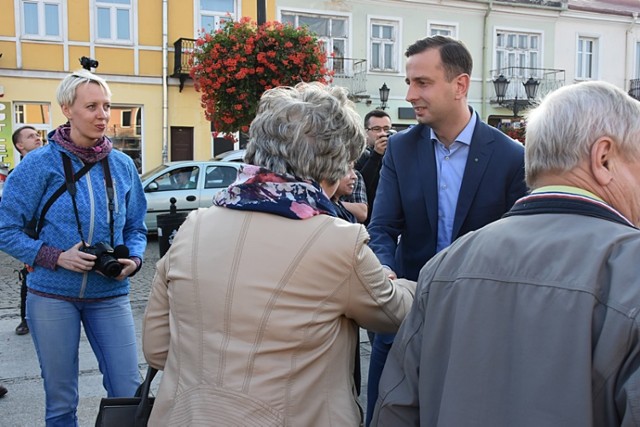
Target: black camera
106,259
88,63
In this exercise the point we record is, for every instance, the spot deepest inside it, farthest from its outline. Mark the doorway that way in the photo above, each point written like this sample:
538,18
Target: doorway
181,143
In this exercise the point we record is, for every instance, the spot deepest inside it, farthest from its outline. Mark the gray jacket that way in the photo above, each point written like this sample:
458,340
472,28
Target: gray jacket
531,321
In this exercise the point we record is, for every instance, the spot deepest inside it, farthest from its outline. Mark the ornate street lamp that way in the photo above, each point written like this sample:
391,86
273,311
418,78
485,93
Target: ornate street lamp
530,87
384,95
500,85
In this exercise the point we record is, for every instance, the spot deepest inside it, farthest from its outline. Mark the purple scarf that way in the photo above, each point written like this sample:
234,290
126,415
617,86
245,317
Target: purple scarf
62,135
258,189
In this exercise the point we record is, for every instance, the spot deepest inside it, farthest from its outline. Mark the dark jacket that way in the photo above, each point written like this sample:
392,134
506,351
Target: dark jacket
369,165
406,201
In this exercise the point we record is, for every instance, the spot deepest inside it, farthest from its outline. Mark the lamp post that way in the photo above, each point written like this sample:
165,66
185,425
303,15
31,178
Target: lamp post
530,87
384,96
261,12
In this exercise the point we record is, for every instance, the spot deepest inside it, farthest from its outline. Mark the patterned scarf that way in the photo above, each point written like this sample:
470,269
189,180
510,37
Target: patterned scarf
62,135
258,189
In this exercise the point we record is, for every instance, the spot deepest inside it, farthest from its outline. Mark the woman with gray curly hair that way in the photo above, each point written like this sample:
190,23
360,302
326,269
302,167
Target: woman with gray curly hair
254,311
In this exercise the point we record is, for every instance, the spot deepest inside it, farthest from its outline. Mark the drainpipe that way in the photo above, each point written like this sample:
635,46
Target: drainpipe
485,61
629,49
165,77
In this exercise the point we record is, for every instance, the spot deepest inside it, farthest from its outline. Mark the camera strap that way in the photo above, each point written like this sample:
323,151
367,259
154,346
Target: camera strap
70,183
34,227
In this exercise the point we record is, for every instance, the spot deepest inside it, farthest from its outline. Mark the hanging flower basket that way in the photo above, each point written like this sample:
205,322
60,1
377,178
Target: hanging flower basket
233,66
515,132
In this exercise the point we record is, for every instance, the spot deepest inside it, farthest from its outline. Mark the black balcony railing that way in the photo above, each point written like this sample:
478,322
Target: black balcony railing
634,88
183,52
550,79
350,73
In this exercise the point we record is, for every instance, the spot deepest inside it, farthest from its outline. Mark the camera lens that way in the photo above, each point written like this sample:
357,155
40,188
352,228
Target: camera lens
110,268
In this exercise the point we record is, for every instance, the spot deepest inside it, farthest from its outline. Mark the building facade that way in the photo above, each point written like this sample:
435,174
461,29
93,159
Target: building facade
551,42
153,118
142,49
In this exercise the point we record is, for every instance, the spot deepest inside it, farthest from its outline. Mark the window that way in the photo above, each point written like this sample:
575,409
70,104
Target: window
384,46
220,176
41,19
126,118
332,32
587,51
442,29
518,53
213,13
185,178
113,18
125,133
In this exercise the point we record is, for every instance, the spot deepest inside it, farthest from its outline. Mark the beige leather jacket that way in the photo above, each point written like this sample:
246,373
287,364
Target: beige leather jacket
253,318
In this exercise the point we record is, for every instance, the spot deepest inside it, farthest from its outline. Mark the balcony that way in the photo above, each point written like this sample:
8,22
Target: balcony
515,96
350,73
634,88
183,51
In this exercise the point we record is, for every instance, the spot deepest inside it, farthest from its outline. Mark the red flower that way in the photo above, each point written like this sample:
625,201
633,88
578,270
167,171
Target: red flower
234,65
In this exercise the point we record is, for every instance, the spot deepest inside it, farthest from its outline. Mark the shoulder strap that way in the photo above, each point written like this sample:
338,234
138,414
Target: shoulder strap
36,225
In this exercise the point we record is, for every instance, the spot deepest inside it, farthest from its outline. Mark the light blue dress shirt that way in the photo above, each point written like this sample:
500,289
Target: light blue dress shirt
450,163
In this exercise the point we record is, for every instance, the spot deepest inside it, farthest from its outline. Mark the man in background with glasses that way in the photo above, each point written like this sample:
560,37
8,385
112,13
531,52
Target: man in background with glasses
378,126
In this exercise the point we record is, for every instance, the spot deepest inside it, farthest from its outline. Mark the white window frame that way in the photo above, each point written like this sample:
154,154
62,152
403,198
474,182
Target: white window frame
113,21
449,29
346,67
394,43
583,59
637,70
41,19
511,53
219,17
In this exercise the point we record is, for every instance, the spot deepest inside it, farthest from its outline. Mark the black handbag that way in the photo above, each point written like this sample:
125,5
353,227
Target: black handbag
128,411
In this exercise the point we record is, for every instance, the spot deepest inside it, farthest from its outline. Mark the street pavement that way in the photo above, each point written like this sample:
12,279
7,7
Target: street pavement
23,406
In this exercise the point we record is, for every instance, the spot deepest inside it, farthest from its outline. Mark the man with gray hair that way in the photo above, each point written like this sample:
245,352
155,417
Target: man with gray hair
533,319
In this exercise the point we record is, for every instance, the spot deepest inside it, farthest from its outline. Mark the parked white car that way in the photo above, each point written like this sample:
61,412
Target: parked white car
231,156
192,183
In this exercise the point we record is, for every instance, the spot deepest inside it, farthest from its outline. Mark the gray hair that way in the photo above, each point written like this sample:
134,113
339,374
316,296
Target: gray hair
562,130
311,131
66,94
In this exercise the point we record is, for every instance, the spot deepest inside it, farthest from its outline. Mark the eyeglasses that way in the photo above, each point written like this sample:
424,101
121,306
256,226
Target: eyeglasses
380,128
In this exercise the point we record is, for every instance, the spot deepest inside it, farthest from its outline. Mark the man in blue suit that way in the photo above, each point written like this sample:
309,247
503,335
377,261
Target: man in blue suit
448,175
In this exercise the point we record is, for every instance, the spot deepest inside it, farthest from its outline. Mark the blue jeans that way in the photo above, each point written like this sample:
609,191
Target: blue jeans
379,352
55,329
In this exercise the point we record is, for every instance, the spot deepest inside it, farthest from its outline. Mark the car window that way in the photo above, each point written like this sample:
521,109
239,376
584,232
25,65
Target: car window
220,176
178,179
152,172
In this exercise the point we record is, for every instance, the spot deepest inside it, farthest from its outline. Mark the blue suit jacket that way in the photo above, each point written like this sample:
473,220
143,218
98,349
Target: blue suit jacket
406,203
